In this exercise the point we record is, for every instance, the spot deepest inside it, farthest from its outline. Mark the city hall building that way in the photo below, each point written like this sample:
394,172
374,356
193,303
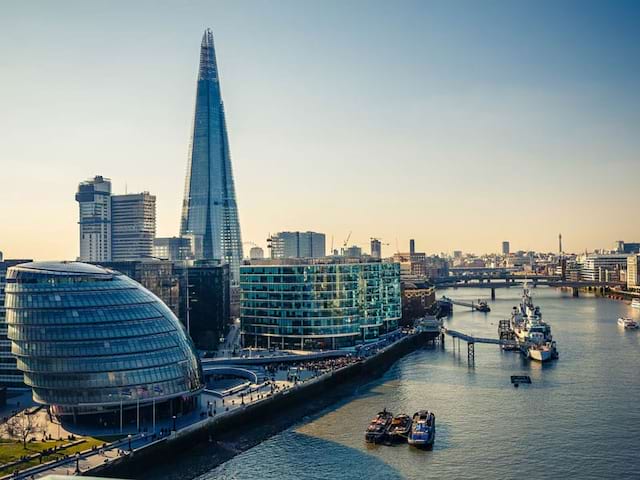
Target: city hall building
318,304
91,341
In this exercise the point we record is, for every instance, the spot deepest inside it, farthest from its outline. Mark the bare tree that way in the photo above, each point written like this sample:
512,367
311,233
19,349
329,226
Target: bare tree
22,426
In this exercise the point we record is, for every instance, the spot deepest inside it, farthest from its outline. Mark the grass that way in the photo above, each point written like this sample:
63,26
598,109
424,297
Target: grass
12,450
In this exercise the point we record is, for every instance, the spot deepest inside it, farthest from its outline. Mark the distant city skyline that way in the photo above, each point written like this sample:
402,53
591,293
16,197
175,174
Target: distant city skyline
456,125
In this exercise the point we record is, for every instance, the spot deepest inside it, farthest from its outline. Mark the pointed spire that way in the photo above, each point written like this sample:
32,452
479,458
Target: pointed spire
208,67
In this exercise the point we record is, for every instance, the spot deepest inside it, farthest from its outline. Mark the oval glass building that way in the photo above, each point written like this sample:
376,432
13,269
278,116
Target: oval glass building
90,340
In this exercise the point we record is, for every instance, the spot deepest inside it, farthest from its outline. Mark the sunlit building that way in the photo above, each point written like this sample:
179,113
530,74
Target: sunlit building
209,209
318,305
90,340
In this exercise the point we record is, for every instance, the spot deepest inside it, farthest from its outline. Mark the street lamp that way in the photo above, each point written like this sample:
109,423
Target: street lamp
78,462
174,423
129,437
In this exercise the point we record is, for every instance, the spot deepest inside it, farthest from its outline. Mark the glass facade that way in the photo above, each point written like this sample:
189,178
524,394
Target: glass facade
87,338
318,305
209,210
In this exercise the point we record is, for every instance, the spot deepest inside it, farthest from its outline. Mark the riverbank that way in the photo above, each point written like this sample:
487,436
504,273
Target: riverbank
483,422
240,429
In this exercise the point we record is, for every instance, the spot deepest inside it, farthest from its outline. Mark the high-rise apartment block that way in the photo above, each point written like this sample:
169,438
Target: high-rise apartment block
114,227
376,248
133,226
297,245
94,198
506,249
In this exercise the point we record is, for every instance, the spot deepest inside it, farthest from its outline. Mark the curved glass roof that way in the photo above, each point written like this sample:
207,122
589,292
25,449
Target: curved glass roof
99,340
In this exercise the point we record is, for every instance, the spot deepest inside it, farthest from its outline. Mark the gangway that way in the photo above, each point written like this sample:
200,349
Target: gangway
472,340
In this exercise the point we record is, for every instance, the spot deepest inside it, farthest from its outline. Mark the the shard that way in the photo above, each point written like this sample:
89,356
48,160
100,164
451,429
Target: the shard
209,210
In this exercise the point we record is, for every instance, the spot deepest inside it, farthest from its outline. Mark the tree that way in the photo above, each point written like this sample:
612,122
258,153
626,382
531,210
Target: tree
22,426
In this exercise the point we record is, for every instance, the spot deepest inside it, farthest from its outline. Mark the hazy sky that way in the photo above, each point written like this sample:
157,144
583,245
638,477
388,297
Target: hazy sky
460,124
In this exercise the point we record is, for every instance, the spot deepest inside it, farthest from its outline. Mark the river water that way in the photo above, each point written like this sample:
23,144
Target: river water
580,418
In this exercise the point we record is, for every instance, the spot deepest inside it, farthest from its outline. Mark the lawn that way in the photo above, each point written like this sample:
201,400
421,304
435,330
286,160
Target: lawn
10,451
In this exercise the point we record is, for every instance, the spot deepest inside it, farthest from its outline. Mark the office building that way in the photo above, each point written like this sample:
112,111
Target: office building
90,340
505,248
174,249
94,199
256,253
209,209
197,294
133,226
633,272
157,276
311,305
418,266
297,245
352,252
204,306
376,248
602,267
625,247
10,376
418,296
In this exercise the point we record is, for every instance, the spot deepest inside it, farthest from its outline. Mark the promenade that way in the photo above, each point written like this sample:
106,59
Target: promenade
279,379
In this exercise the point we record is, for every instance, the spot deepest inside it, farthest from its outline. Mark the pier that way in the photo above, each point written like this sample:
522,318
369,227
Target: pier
471,341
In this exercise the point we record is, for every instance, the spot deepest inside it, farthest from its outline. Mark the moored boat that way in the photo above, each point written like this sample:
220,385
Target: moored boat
482,306
627,323
423,429
399,428
543,351
377,429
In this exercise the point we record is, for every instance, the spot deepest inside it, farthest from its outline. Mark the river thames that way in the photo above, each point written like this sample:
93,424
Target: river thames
578,419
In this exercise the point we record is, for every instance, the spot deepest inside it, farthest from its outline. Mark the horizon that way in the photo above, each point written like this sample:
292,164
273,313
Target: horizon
524,114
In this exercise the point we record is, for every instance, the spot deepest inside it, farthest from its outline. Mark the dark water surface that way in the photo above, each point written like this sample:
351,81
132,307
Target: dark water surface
579,419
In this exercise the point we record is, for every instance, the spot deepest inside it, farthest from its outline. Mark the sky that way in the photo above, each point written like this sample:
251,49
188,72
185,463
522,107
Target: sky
458,123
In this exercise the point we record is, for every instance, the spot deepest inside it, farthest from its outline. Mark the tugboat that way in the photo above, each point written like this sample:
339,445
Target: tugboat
377,429
399,428
423,430
627,323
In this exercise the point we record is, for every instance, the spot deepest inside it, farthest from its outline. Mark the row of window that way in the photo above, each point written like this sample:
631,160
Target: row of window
114,394
94,349
118,282
101,364
136,328
107,379
84,299
85,315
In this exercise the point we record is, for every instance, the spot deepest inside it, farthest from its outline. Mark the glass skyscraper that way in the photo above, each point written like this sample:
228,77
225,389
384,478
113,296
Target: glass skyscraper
209,210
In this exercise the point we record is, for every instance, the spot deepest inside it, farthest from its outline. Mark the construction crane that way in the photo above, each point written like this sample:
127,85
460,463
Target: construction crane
379,240
347,239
